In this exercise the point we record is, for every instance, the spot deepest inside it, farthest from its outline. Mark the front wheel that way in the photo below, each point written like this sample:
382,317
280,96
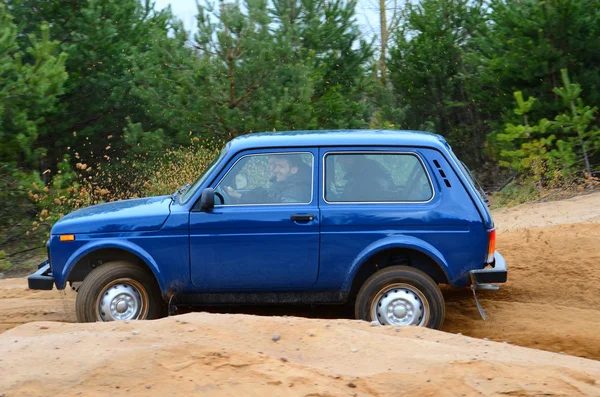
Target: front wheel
401,295
118,291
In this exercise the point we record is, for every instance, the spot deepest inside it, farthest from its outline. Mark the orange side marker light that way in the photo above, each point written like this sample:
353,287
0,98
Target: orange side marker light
67,237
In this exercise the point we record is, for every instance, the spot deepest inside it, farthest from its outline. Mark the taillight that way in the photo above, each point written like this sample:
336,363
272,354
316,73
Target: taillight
492,246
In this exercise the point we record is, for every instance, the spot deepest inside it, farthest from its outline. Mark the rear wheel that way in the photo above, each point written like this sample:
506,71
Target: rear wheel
119,291
400,296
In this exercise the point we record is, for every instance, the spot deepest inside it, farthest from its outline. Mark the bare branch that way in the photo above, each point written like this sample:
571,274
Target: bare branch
251,89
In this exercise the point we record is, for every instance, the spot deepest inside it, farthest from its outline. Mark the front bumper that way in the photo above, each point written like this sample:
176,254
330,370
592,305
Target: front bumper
42,279
497,274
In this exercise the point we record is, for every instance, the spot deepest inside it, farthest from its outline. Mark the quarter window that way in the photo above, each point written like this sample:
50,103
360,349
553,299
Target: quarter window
376,177
260,179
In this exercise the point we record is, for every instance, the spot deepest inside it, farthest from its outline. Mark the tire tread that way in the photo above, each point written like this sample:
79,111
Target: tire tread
102,275
408,275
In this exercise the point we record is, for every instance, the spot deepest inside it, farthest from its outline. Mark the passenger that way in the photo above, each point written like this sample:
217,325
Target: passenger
366,179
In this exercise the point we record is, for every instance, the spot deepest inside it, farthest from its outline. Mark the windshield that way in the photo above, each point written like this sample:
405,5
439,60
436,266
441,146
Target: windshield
190,192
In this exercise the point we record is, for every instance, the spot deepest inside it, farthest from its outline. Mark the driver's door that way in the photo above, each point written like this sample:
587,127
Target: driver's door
255,239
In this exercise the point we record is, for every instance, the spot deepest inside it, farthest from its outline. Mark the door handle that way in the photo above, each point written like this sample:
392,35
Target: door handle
302,217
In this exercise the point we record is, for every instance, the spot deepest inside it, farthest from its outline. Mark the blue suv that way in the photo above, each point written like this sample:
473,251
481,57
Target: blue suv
373,219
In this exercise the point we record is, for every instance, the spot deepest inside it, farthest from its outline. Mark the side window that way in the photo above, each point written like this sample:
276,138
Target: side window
274,178
375,177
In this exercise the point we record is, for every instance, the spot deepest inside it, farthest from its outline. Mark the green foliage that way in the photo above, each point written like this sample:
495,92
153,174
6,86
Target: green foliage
578,120
530,143
431,76
551,147
259,67
515,193
526,44
4,263
99,99
523,107
31,79
18,212
102,38
82,186
455,64
143,143
13,194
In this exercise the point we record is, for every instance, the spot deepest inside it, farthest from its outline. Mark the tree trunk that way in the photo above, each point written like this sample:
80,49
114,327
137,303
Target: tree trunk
231,85
384,39
588,169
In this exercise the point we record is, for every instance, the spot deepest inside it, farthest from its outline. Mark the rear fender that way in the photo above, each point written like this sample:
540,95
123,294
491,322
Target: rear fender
399,241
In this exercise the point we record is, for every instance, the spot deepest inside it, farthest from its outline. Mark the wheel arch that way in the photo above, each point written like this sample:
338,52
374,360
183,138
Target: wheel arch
398,250
89,256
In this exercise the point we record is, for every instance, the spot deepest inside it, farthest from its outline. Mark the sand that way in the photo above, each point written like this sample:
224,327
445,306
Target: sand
551,302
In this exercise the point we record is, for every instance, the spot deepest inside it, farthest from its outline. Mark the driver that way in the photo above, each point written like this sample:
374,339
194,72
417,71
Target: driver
290,181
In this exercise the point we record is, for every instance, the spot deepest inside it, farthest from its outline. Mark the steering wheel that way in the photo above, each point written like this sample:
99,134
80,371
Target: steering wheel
222,194
220,197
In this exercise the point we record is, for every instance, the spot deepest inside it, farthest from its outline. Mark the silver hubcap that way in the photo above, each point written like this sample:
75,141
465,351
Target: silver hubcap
400,304
121,301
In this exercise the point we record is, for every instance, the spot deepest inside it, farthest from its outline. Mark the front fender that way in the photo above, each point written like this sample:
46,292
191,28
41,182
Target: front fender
102,244
397,241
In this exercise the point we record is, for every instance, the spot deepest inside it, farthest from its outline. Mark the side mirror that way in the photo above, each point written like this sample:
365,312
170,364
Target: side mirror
207,200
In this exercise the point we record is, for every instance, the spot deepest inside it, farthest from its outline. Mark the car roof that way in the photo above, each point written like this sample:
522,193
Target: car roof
337,138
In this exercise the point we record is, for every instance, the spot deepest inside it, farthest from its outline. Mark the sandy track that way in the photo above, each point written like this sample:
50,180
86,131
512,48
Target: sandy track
552,298
551,302
580,209
19,305
196,353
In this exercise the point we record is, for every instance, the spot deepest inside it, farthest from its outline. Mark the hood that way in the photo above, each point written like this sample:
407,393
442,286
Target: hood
119,216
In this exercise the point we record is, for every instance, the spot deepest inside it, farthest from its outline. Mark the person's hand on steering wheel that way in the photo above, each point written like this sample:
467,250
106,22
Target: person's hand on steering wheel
231,192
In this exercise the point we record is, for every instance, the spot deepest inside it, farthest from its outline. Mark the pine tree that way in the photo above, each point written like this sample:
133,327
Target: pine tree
101,38
560,145
431,75
527,43
526,146
578,119
260,67
31,81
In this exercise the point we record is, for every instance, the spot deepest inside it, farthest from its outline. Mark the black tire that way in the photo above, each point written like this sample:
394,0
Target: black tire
138,279
407,279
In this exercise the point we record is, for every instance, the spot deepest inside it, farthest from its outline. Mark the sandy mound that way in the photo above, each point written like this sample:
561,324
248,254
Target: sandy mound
550,302
580,209
235,355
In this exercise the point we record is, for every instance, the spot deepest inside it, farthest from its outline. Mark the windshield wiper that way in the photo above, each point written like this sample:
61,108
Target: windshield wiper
180,191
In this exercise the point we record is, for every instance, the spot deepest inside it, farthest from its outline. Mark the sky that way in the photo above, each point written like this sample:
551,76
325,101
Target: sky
366,14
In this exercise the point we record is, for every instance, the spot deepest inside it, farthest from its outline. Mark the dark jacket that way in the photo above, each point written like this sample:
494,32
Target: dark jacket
295,189
367,180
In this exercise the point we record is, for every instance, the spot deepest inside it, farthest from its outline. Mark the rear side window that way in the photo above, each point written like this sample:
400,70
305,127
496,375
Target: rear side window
471,179
376,177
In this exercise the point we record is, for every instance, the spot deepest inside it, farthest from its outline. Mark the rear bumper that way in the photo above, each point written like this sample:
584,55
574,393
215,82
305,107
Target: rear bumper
497,274
42,279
